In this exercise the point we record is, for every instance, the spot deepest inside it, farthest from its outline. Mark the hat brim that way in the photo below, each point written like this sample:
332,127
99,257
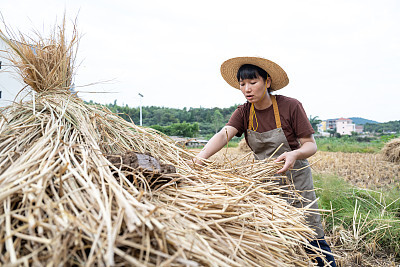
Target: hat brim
229,69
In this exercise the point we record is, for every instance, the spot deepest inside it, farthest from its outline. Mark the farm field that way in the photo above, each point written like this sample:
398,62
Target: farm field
364,170
361,190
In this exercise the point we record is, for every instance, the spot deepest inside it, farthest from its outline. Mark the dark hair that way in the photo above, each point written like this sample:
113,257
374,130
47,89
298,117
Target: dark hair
248,71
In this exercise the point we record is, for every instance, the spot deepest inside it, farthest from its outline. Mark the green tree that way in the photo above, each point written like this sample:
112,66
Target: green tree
386,127
331,132
179,129
217,120
314,122
208,120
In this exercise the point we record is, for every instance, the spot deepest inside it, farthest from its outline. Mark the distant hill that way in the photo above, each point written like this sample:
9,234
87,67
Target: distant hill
362,121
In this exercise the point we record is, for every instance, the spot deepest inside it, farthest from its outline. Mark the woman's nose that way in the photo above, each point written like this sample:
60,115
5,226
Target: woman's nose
247,87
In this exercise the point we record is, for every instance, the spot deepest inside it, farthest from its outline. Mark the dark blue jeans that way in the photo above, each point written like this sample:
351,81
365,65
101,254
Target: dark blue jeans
321,243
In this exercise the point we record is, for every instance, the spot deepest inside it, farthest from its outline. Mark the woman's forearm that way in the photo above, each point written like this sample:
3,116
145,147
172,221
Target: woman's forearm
306,150
217,142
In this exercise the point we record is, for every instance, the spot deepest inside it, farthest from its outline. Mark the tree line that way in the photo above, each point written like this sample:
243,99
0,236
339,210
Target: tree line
204,122
385,127
188,122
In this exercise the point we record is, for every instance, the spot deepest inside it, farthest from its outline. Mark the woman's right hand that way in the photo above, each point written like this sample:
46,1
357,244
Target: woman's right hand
195,161
218,141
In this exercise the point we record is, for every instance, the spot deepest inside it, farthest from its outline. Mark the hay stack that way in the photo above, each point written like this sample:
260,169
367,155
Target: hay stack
391,150
243,147
62,202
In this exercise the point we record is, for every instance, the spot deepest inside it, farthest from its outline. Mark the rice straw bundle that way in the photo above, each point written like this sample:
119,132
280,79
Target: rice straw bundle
391,150
243,146
43,63
63,202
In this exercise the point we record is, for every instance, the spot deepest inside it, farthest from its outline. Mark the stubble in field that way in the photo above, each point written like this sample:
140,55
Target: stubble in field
363,170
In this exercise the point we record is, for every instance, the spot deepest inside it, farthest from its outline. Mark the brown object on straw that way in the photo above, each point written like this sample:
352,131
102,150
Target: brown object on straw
132,163
62,202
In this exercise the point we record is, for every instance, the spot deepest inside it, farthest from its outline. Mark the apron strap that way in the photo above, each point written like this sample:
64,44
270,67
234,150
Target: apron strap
276,112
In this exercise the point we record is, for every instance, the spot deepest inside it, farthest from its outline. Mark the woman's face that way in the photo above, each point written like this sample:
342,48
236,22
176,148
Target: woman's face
253,89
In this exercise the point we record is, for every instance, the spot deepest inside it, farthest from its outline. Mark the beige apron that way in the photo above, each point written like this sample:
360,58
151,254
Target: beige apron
264,145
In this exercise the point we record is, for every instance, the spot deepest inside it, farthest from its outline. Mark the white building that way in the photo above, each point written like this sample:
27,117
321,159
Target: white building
10,82
345,126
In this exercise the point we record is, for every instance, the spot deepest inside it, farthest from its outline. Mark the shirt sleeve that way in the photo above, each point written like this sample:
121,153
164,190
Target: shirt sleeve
301,123
237,120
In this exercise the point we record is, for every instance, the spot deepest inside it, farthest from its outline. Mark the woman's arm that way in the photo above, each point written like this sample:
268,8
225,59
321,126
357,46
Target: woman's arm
307,149
218,141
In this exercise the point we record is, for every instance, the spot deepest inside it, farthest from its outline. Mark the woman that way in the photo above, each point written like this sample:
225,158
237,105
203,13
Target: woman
268,121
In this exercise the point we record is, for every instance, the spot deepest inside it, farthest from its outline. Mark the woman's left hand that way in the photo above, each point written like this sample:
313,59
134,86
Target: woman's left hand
307,149
289,158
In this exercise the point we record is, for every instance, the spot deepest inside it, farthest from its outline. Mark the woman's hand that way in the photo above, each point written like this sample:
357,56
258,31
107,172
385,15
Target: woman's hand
216,143
307,149
289,158
195,161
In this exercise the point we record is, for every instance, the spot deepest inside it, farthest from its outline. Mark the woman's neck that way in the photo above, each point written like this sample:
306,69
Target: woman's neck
264,103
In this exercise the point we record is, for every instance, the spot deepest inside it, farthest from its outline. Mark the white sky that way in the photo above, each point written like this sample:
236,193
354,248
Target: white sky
342,57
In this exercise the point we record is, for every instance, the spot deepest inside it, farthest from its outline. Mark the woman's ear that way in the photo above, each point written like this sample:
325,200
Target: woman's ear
269,82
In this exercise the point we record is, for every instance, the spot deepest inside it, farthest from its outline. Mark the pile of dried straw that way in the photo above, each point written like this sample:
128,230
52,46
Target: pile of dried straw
391,150
63,202
243,146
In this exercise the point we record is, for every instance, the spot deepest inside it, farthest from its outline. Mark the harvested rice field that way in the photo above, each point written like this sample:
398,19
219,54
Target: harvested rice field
363,170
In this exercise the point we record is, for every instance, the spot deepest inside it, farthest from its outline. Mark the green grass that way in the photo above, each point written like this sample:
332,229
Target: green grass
234,142
340,145
353,143
369,216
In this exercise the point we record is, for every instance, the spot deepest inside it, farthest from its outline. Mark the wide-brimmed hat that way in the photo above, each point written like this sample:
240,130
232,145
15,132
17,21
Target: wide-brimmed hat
230,68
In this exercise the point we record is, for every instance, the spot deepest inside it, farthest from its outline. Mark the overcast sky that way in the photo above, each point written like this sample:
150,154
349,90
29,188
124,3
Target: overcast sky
342,57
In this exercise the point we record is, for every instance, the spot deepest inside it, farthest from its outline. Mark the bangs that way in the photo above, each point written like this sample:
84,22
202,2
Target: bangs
248,71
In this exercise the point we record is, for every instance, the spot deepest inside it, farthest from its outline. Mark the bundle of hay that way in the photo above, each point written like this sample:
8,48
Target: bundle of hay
391,150
243,147
62,201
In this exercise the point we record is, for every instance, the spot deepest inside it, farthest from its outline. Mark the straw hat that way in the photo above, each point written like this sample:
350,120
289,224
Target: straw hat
230,68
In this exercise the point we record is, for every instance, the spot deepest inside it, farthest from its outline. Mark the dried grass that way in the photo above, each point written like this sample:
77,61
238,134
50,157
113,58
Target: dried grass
43,63
364,170
243,146
63,203
391,151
